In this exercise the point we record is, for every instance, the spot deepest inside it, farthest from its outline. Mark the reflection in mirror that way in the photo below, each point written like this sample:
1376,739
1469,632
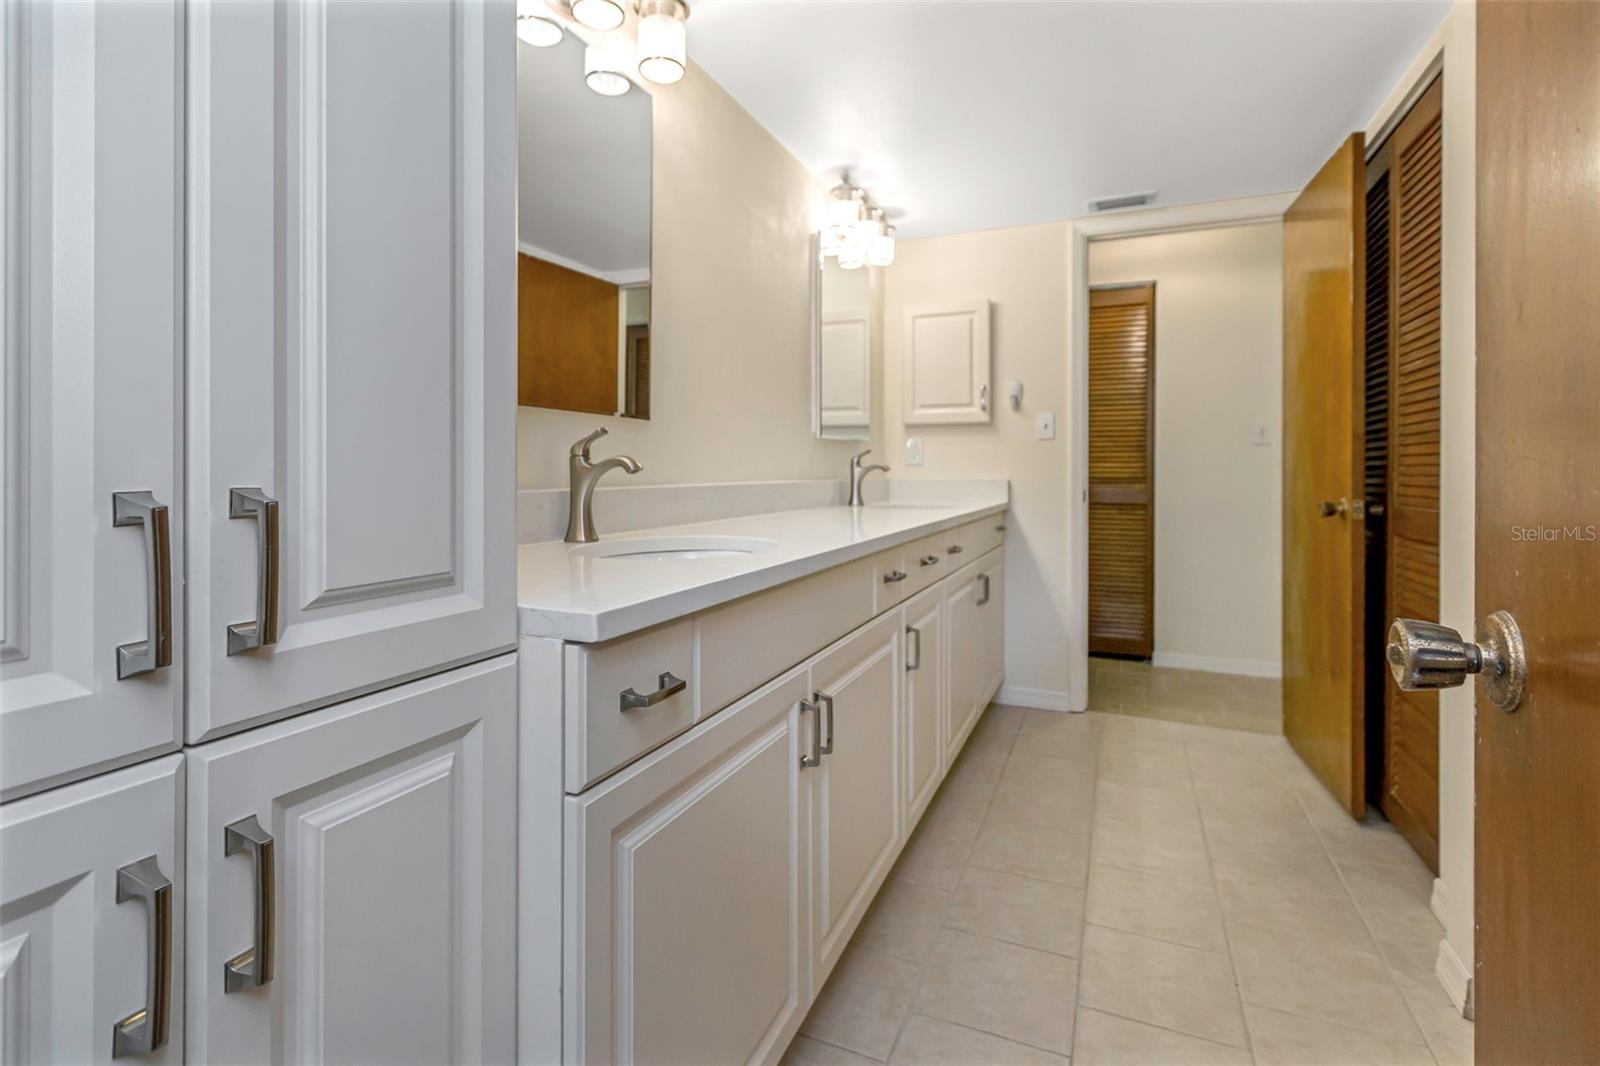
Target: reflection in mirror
583,238
842,350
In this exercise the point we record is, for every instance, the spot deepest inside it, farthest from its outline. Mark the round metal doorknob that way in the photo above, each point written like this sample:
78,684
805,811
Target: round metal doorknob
1329,508
1427,655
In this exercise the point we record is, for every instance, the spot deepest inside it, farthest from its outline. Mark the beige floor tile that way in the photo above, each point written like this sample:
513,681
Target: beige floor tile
1155,768
927,1041
958,810
1046,771
1260,805
1107,1040
1449,1035
1375,842
904,921
1314,979
1409,947
866,998
1066,810
1082,746
935,855
1318,803
1176,853
1281,1039
1177,911
1020,910
1316,910
1163,984
1269,849
1397,893
1010,991
1145,805
805,1051
1033,851
1263,767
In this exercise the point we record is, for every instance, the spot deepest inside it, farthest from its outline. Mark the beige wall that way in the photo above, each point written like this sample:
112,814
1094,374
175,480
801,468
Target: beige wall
730,339
1457,40
1023,271
1219,373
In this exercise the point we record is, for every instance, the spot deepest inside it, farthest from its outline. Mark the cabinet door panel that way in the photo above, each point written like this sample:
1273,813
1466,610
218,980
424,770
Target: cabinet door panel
91,329
924,701
966,647
686,895
992,622
855,793
73,959
351,292
393,832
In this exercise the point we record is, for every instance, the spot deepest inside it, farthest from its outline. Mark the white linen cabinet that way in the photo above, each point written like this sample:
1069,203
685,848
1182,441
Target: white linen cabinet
91,537
350,330
352,880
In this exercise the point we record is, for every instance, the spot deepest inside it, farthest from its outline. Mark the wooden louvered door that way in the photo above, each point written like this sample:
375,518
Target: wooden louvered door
1410,795
1375,465
1122,363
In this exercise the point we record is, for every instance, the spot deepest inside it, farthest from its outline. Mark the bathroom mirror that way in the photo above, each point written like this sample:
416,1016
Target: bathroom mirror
842,345
583,238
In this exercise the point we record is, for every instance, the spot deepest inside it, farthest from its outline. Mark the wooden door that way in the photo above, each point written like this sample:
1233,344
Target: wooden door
855,793
1410,795
351,322
924,700
567,325
1323,563
1122,367
389,885
80,939
91,325
687,908
1538,509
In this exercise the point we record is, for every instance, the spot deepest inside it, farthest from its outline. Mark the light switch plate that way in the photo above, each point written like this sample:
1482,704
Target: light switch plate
1044,425
1263,436
913,451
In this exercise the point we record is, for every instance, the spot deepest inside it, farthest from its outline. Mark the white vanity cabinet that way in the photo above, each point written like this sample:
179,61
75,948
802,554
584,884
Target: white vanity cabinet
91,947
351,316
91,532
352,880
925,685
976,617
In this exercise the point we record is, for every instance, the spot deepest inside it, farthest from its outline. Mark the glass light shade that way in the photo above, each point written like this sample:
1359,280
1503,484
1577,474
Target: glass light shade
662,48
839,230
880,251
828,242
853,256
537,30
602,72
598,15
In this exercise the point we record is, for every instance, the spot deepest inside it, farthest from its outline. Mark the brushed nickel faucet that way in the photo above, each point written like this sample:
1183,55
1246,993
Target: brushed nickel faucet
584,475
858,474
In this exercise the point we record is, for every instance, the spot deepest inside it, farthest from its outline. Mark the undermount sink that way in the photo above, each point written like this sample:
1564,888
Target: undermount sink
675,548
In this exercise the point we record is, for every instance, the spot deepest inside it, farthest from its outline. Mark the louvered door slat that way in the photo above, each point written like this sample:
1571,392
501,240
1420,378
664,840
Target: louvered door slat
1121,470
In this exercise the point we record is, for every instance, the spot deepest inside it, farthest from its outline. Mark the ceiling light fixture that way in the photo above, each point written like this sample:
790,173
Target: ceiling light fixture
602,71
854,229
880,249
536,26
599,15
663,39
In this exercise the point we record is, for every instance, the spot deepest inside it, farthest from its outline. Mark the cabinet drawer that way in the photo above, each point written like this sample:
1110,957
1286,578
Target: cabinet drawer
965,544
620,699
926,563
891,577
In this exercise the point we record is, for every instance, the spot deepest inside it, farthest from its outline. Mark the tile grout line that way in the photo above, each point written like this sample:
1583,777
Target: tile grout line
1097,740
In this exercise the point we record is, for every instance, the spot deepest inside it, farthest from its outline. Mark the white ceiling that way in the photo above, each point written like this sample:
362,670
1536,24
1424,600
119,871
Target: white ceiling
970,115
583,166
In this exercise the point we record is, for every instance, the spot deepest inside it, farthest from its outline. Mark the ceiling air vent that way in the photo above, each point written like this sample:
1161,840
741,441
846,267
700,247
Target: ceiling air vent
1117,203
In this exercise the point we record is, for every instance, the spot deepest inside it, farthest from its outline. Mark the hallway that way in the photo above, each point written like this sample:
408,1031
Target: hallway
1115,888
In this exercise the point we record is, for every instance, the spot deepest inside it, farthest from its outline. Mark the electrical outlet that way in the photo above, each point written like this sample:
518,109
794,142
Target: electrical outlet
1263,437
1044,425
913,451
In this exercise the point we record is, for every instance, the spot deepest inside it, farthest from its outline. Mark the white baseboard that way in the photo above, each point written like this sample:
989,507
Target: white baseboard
1042,699
1453,975
1215,665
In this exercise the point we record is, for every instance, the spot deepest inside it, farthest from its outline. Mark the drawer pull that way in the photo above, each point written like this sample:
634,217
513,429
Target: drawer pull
893,576
985,597
827,704
262,630
954,549
815,758
930,560
1001,528
145,1030
155,651
670,686
252,967
914,661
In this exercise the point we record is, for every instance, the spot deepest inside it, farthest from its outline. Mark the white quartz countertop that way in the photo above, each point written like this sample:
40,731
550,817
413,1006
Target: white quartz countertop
585,598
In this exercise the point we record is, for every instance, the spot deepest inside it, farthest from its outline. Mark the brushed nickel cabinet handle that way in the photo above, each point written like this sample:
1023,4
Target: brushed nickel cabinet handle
954,549
815,758
914,662
827,703
146,1029
894,575
669,686
262,630
252,967
984,578
929,560
155,651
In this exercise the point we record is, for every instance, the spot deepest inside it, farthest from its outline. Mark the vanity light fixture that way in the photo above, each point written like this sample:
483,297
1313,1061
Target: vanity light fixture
599,15
535,25
602,71
853,256
854,228
839,223
880,250
663,39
